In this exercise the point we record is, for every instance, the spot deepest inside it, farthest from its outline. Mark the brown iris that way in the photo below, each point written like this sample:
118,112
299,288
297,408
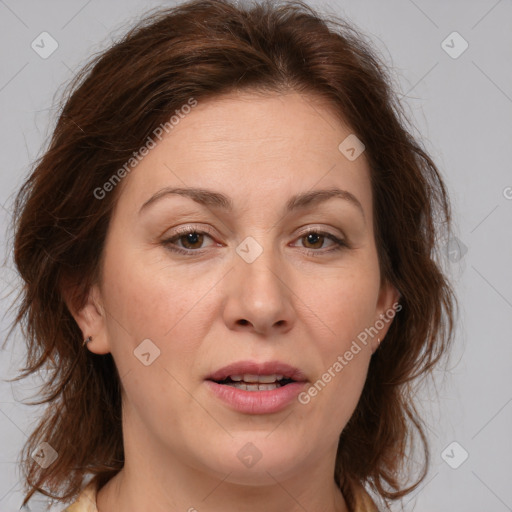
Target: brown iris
192,239
314,239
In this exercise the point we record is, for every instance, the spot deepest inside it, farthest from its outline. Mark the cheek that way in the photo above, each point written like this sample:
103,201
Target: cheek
150,296
147,298
151,300
344,304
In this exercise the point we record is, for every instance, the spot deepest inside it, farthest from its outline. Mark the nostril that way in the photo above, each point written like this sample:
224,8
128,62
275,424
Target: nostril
243,322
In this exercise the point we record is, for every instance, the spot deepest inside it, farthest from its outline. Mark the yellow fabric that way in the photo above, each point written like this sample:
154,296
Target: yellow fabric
86,501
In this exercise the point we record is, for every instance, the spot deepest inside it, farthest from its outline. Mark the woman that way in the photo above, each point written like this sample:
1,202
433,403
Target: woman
229,256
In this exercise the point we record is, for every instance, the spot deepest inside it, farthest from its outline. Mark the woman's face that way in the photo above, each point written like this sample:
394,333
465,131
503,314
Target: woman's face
190,286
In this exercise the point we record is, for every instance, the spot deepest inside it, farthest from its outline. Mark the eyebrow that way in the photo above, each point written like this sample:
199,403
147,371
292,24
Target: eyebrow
210,198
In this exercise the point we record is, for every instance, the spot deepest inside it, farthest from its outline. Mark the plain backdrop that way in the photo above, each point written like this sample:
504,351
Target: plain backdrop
459,99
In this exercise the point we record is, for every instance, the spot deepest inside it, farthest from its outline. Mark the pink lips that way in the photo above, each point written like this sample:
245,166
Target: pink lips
257,402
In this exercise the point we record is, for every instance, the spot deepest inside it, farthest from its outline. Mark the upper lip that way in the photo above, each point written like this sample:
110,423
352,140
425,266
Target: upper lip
255,368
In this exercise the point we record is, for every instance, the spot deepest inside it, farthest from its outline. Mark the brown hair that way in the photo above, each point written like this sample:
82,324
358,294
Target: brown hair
203,49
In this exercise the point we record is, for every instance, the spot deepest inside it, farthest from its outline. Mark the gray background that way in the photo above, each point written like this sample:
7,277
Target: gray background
462,108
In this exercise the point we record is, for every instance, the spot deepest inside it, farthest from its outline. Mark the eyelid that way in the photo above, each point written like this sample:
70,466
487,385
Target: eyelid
188,228
319,229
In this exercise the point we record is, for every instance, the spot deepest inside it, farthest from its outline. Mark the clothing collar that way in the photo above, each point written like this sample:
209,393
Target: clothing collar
86,501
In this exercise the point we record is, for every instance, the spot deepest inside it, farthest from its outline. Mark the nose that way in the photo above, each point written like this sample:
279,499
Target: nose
259,299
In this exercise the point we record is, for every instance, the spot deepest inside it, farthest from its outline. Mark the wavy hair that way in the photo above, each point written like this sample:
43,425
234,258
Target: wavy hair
203,49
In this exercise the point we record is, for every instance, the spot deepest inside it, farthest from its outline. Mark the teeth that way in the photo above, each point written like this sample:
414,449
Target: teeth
254,387
263,379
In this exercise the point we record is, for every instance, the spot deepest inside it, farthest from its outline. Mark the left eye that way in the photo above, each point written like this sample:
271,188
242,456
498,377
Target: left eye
316,239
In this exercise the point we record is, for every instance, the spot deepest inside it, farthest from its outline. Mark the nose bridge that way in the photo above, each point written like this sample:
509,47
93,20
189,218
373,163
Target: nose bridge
259,266
258,293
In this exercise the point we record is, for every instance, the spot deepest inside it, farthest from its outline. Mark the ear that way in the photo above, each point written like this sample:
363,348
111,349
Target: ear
387,307
90,317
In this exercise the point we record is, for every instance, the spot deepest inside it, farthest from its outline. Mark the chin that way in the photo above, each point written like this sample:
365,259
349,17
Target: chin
256,463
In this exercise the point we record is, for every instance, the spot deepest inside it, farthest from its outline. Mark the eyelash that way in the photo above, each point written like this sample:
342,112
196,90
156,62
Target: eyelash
168,243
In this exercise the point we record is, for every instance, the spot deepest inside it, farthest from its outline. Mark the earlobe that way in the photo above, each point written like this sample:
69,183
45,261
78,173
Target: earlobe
91,320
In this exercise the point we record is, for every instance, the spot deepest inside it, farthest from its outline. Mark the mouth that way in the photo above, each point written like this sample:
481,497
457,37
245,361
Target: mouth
257,388
250,382
252,374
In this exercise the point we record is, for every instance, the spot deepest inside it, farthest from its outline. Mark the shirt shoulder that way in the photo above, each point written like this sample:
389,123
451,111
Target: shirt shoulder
363,501
86,501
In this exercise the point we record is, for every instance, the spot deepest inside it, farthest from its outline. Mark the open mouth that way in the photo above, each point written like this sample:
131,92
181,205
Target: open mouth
277,385
249,382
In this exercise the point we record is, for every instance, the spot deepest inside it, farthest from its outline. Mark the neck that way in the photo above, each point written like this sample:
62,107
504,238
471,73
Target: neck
128,493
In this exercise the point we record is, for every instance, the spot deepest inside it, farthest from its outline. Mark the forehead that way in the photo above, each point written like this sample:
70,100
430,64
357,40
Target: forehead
256,149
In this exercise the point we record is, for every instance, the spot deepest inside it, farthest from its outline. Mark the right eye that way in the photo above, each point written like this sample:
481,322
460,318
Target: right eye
191,240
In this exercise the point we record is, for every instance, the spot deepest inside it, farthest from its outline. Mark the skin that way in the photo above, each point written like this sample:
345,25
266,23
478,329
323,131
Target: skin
181,442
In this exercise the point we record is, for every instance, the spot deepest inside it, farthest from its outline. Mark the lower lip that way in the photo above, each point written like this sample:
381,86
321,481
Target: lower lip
257,402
